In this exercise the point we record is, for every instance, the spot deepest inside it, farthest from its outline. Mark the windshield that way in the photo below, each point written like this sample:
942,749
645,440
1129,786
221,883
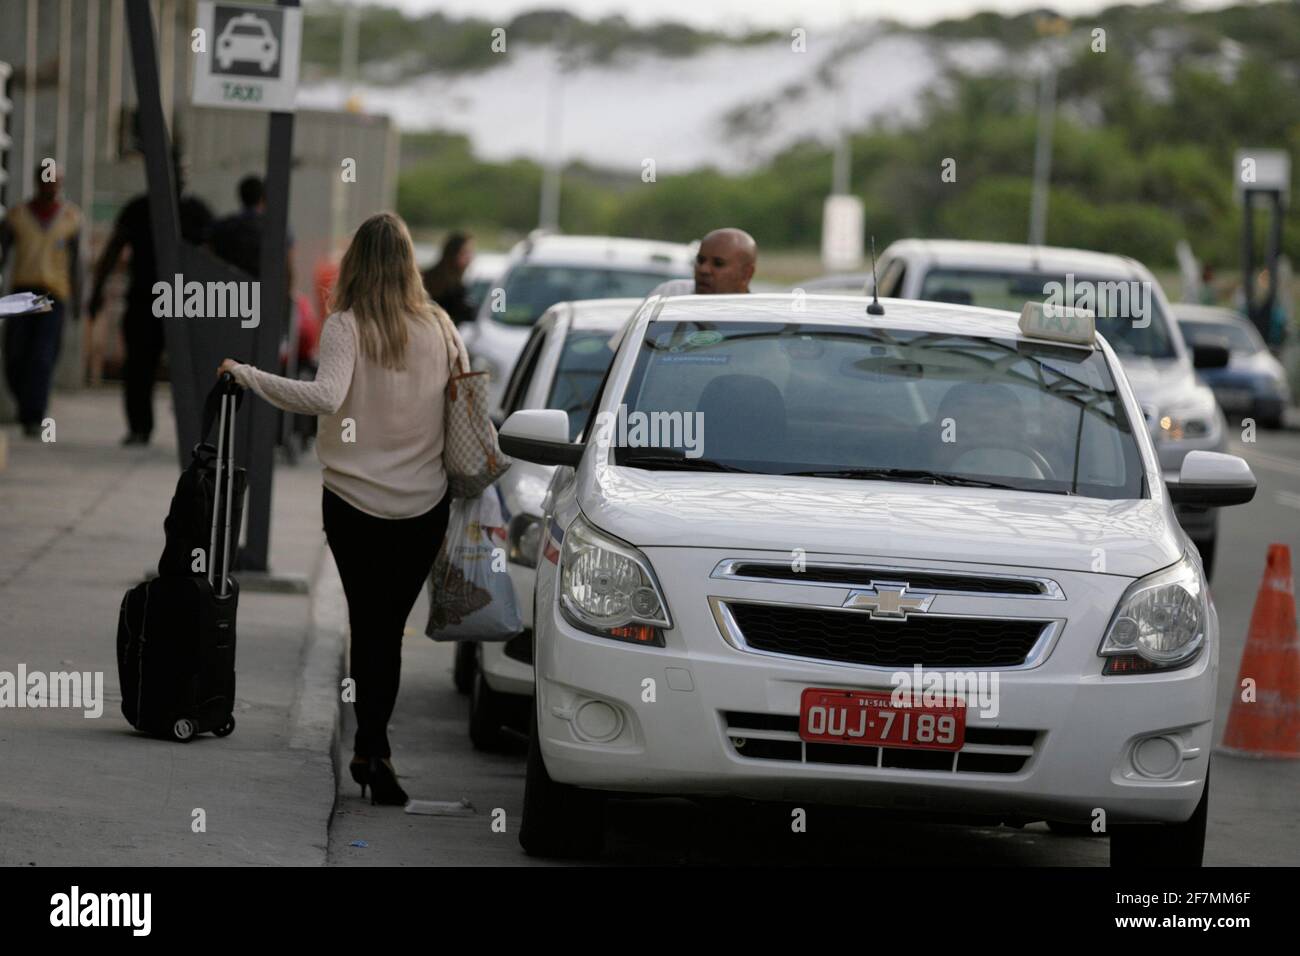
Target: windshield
581,369
532,289
1237,338
892,404
1121,306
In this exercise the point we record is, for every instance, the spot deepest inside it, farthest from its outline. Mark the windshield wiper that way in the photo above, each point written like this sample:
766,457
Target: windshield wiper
905,474
677,461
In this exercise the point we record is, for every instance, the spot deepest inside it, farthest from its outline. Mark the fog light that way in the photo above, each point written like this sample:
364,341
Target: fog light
1156,757
598,721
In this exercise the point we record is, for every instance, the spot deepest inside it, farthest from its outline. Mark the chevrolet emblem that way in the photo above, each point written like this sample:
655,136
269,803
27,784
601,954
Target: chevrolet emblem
886,599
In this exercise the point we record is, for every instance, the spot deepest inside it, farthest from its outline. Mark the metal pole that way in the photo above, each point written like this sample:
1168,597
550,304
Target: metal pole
1248,258
1043,157
1274,250
274,302
164,216
25,184
549,212
64,109
113,101
88,115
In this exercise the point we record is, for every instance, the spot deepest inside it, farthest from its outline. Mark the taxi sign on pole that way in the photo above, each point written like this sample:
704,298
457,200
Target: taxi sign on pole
250,54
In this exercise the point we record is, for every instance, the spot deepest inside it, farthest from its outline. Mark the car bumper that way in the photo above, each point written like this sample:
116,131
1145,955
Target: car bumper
674,715
504,674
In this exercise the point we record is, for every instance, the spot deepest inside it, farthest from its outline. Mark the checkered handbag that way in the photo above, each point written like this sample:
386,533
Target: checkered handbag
471,455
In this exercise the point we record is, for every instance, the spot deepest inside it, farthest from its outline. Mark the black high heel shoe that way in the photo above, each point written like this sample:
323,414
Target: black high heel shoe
384,788
360,768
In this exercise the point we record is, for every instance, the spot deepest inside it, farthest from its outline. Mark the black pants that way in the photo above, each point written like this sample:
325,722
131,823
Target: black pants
143,333
383,563
31,346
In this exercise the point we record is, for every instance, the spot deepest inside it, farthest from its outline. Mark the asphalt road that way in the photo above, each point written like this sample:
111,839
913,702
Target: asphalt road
1254,804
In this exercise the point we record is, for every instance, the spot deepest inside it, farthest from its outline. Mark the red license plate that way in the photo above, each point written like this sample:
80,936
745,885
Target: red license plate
867,718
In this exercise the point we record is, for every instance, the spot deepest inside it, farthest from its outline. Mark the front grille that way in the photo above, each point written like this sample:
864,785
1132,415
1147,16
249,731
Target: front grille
852,637
776,737
916,580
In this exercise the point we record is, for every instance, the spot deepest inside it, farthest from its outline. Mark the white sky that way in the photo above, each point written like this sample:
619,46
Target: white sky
739,14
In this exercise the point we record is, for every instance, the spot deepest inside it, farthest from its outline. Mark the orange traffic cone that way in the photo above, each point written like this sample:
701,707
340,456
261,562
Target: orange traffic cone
1269,725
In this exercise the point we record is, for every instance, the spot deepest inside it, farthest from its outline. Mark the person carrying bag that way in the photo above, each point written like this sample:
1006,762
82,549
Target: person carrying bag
394,420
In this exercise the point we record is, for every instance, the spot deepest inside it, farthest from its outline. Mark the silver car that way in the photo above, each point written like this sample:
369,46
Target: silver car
561,366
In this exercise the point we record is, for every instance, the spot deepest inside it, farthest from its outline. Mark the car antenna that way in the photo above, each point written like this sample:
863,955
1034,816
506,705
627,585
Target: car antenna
875,308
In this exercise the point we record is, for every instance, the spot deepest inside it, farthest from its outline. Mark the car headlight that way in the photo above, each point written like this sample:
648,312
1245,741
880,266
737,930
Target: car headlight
1175,426
1196,418
1159,623
607,588
525,539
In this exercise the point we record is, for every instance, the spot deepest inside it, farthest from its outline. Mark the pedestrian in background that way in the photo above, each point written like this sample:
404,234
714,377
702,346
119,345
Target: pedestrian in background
445,280
379,391
238,237
724,265
44,235
143,332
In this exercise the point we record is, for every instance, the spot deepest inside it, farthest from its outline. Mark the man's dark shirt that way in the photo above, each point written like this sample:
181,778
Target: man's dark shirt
134,226
238,240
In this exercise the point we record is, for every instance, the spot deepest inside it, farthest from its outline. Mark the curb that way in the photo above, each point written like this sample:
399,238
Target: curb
317,704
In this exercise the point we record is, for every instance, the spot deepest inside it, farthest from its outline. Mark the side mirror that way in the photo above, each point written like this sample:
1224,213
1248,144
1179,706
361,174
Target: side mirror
1209,355
540,435
1210,479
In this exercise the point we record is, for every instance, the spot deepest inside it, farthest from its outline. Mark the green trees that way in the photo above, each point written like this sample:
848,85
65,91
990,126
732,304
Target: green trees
1138,163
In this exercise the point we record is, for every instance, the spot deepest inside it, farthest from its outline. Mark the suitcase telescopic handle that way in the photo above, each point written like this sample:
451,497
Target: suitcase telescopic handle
226,385
227,395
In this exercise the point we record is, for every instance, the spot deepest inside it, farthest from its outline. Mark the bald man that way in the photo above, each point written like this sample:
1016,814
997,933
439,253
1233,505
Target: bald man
724,265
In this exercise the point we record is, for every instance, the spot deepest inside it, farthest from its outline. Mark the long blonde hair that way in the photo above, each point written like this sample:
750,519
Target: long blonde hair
378,281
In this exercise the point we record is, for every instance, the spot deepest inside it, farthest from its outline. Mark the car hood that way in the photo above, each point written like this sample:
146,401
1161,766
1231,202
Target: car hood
880,520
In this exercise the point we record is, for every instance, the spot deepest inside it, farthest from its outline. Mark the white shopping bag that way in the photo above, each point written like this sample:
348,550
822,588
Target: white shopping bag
471,597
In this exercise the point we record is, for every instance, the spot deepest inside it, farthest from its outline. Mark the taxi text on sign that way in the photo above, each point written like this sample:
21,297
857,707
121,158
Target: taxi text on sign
250,56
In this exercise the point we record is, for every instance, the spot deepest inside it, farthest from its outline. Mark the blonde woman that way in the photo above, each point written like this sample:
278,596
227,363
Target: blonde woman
379,392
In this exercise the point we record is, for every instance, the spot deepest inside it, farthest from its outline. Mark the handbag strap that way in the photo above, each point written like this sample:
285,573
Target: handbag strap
457,354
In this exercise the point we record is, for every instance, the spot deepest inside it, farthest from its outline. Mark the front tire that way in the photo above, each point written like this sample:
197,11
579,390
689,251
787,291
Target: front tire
1163,844
487,712
462,673
559,820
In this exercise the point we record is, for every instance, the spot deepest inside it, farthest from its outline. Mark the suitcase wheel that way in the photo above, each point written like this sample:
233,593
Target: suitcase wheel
226,729
183,730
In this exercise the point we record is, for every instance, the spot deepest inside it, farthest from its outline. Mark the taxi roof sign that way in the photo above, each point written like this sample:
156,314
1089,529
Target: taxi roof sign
1059,323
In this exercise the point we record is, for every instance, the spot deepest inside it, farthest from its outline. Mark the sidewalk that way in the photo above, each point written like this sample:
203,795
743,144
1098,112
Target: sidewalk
80,521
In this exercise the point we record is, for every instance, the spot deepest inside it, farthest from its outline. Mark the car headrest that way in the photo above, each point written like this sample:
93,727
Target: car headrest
736,408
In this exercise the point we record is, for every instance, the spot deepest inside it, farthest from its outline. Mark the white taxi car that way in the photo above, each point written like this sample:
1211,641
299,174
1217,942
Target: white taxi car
562,365
1132,312
544,269
789,510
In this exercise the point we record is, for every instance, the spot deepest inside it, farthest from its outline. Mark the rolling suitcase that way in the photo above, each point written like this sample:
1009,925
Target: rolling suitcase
176,632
